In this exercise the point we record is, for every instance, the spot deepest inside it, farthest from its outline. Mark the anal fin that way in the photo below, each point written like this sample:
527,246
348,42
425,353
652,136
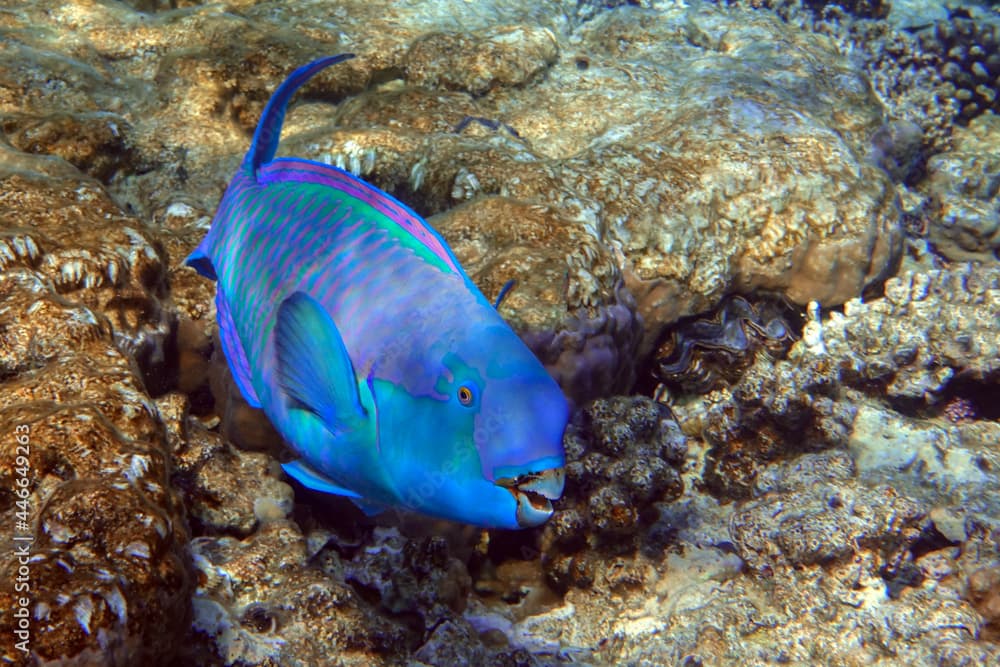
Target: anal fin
368,507
311,478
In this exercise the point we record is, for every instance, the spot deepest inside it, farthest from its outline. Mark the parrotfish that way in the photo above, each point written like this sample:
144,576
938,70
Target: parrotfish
349,321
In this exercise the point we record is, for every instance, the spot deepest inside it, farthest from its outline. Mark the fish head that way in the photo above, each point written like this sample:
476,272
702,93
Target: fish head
487,447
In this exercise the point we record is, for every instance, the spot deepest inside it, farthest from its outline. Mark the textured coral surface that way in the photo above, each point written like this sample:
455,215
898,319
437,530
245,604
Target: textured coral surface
108,576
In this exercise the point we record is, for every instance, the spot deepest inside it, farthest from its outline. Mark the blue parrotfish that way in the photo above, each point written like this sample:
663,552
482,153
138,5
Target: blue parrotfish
349,321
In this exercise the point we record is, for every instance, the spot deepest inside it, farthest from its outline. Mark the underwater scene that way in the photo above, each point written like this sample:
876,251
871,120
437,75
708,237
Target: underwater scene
504,333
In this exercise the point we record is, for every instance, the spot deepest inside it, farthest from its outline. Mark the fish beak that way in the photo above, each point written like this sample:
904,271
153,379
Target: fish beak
533,493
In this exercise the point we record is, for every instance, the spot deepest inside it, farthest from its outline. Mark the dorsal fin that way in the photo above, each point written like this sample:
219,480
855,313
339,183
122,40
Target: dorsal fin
265,138
408,223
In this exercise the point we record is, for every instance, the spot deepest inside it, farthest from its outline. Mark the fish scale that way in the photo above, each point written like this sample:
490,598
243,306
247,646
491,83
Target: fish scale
349,321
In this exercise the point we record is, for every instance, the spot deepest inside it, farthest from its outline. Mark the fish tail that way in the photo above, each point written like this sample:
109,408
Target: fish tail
265,138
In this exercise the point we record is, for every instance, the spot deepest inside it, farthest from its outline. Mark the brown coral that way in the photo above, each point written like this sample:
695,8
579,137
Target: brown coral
968,58
71,234
109,578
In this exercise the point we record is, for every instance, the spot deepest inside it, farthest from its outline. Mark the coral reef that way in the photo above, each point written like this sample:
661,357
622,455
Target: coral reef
963,185
856,8
984,594
930,329
943,464
629,165
707,128
898,147
108,577
931,335
258,602
73,235
623,456
875,585
97,143
932,63
634,190
258,597
409,576
827,523
777,411
968,59
908,82
228,491
441,60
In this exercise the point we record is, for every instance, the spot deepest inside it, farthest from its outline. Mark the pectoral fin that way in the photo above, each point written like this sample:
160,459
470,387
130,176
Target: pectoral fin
314,369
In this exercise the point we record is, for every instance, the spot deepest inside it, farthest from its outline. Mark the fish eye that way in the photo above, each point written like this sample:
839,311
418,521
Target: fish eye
464,395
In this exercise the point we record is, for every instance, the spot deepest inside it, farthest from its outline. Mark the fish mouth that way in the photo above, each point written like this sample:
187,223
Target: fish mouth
534,493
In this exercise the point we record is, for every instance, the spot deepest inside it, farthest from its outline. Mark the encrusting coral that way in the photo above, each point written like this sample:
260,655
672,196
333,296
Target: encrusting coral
109,579
623,456
963,186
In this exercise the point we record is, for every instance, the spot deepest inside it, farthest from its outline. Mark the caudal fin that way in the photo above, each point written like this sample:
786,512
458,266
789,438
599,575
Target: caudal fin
265,138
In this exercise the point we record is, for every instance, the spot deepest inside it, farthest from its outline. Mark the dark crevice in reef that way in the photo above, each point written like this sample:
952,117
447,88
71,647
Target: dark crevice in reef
159,363
964,399
930,540
709,350
907,574
982,396
385,75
